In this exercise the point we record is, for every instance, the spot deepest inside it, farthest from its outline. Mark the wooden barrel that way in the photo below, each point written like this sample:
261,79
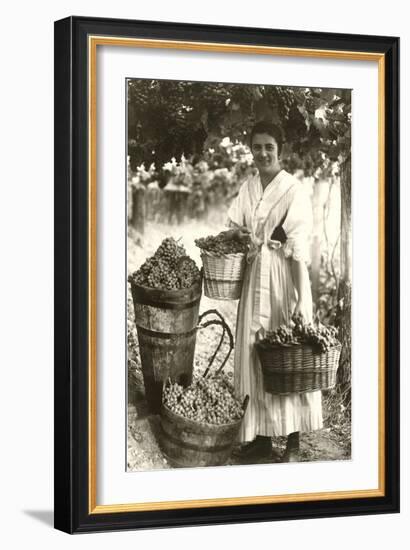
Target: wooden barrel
187,443
166,323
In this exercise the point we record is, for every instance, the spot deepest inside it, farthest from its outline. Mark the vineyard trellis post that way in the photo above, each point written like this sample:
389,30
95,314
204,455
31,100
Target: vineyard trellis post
345,285
138,207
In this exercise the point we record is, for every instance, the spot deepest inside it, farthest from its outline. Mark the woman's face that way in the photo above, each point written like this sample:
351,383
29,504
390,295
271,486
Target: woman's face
265,153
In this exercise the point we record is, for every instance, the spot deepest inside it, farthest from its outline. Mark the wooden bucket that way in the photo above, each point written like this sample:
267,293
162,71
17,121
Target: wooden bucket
187,443
166,322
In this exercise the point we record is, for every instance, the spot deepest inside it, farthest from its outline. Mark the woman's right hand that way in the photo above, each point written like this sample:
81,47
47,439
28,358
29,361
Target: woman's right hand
239,233
242,234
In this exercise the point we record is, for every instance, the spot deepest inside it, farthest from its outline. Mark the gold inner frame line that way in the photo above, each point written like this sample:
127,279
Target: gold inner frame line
93,42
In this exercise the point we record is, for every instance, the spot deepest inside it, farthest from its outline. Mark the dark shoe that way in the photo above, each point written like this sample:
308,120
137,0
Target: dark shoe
291,453
260,447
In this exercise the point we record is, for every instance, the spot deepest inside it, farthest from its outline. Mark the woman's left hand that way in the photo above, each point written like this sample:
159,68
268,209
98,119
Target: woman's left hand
300,309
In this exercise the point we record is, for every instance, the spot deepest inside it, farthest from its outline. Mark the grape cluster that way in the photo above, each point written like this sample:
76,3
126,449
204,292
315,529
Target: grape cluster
223,243
206,400
299,332
283,335
169,268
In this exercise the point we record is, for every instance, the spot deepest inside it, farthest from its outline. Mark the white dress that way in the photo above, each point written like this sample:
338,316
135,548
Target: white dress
268,299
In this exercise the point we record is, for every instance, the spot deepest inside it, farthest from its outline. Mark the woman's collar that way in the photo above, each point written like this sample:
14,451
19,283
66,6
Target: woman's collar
274,181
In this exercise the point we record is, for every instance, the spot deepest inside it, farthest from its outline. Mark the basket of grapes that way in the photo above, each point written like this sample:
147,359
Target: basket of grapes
223,259
200,423
299,357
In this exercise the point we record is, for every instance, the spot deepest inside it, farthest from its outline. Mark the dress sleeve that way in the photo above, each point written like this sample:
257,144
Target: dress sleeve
236,212
298,226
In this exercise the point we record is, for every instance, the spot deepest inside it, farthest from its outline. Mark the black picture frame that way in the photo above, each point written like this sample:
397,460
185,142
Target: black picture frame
73,513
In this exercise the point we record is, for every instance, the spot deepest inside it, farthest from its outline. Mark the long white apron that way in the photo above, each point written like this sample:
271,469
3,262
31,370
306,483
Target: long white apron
268,299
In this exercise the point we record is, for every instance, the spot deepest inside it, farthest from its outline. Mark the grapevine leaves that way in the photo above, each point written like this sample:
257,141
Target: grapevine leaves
172,118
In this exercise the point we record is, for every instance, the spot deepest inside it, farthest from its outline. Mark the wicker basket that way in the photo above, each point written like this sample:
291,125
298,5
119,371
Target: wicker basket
223,275
297,368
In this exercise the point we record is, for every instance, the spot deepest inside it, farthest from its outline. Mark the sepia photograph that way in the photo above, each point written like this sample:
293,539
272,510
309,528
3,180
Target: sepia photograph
239,274
226,275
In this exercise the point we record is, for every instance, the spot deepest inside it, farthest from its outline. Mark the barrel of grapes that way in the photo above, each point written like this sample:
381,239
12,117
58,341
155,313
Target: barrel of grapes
188,443
166,322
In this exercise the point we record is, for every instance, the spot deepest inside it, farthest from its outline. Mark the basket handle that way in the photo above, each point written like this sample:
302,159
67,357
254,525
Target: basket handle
221,321
206,324
209,312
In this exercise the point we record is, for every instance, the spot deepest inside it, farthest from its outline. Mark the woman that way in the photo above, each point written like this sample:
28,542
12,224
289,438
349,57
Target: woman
276,285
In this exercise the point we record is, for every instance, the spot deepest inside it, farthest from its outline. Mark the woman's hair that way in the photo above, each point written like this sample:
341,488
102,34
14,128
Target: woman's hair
264,127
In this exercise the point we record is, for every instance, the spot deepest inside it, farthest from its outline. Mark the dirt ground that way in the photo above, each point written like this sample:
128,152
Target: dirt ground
144,433
144,453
